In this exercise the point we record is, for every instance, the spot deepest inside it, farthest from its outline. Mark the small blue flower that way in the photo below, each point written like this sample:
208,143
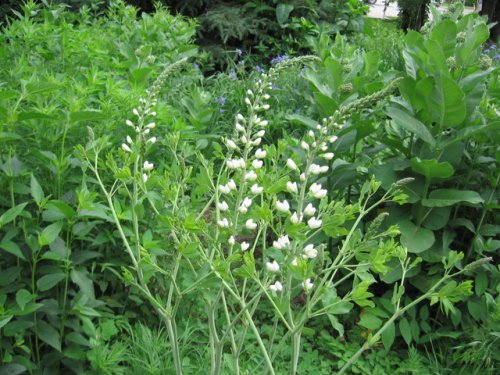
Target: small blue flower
222,100
258,68
279,59
496,57
239,52
232,75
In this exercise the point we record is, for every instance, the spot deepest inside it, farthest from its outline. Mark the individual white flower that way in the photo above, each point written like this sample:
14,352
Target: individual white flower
231,240
152,140
151,125
222,206
224,223
240,128
250,176
249,92
129,140
310,252
276,287
135,112
291,164
308,285
272,266
243,209
282,243
246,202
153,114
257,141
260,154
320,194
294,262
323,169
148,166
247,101
262,123
256,189
310,133
244,139
291,187
283,206
314,223
302,177
146,131
145,177
231,185
309,210
231,145
250,224
240,117
295,218
224,189
126,148
265,107
323,147
244,246
266,96
314,169
328,156
304,145
129,123
257,164
315,187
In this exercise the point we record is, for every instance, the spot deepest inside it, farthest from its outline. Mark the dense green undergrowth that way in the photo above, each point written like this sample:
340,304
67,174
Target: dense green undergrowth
112,232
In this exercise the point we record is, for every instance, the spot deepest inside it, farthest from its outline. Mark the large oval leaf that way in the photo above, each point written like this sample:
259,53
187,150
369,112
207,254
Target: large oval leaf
449,197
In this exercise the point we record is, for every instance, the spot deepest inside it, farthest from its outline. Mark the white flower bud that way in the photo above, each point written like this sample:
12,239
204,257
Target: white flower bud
273,267
260,154
249,93
328,156
294,262
152,140
153,114
250,176
333,138
224,189
323,169
146,131
145,177
302,177
309,210
283,206
244,246
304,145
231,185
295,219
244,139
224,223
308,285
151,125
240,127
129,140
256,189
231,241
260,133
314,169
231,145
148,166
247,101
126,148
263,123
129,123
135,112
314,223
250,224
310,133
243,209
257,142
282,243
240,117
291,164
291,187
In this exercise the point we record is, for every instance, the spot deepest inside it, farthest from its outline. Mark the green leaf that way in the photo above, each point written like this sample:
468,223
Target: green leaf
11,214
87,116
23,297
36,190
80,277
411,124
432,168
404,328
283,11
36,88
13,248
336,324
50,233
481,283
12,369
388,336
449,197
415,239
447,103
49,335
5,320
47,282
370,321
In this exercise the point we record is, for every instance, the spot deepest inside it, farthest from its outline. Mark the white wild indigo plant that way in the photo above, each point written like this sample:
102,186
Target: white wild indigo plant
261,241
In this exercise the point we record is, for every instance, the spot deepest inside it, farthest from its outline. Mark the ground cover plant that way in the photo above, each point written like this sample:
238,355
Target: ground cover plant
330,213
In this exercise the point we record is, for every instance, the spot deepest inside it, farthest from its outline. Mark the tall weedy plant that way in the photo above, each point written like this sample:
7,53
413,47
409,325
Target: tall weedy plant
258,244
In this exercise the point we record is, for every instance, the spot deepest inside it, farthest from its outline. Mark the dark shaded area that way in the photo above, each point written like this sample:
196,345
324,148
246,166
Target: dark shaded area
491,9
412,13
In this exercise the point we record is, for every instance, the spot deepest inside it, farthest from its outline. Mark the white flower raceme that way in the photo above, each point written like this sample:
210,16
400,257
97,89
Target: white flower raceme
260,154
257,164
283,206
308,285
292,187
295,219
282,243
244,246
250,224
276,287
291,164
328,155
256,189
148,166
126,148
272,266
310,252
309,210
222,206
250,176
224,223
314,223
231,240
